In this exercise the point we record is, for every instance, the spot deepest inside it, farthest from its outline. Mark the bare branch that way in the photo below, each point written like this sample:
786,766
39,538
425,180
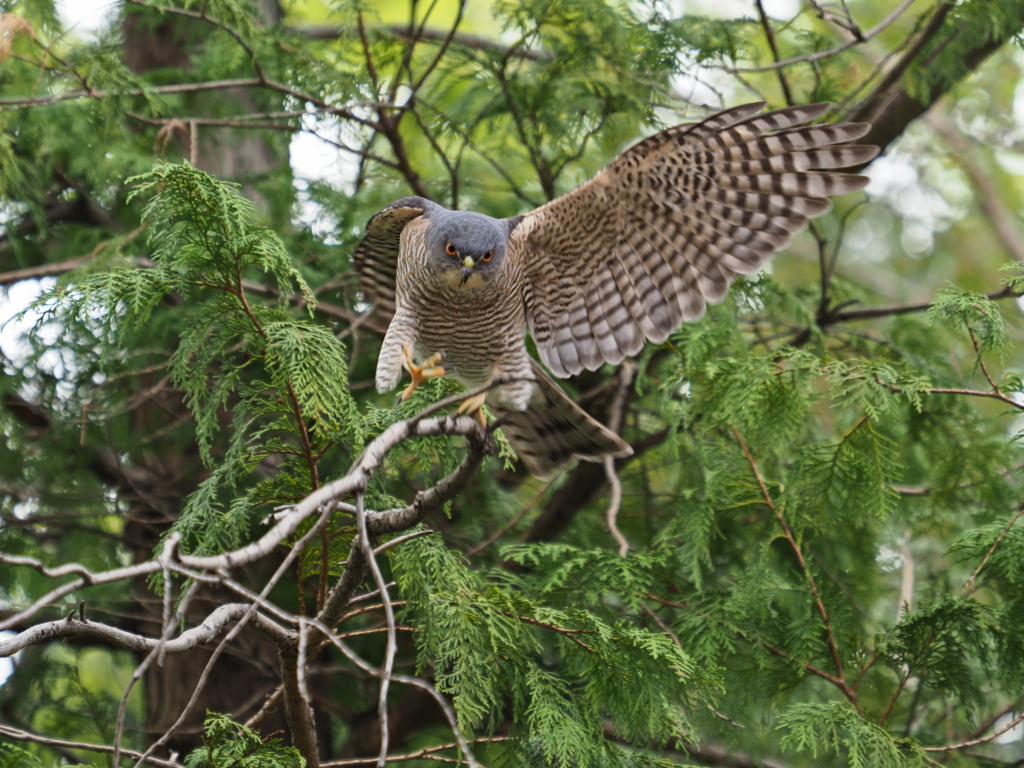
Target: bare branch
612,513
328,494
212,627
17,102
321,502
88,579
43,270
769,32
957,391
992,549
902,309
819,55
392,644
419,754
401,539
981,740
19,735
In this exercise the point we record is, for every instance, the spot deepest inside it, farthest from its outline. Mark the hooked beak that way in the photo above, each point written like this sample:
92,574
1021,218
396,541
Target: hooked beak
467,268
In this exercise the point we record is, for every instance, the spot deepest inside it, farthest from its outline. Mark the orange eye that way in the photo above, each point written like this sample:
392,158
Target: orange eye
487,256
450,249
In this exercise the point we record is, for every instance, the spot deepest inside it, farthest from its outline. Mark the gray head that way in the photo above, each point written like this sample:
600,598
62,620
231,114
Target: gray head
468,248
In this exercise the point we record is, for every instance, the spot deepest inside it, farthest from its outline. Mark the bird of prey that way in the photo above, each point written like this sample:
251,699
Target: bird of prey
622,259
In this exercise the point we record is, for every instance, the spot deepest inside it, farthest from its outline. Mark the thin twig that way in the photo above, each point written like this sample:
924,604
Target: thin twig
17,102
19,735
370,66
957,391
981,363
612,513
974,742
158,653
400,539
767,646
369,609
392,643
996,543
425,752
442,49
819,55
840,679
509,525
769,33
569,633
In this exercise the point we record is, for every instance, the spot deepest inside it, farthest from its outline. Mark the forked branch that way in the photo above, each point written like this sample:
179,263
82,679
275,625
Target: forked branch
298,639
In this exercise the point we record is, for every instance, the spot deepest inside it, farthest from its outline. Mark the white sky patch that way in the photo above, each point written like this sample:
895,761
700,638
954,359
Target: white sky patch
1018,93
776,9
24,509
86,17
12,329
911,191
315,160
889,558
6,664
1014,734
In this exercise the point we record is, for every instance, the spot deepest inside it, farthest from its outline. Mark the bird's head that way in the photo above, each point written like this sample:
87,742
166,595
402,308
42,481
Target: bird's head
467,248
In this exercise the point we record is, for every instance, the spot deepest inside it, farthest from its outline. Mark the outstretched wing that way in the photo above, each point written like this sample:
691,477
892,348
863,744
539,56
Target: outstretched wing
376,257
666,227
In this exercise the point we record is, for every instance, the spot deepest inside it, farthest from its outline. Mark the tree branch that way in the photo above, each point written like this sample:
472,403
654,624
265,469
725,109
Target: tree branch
769,33
890,107
212,627
819,55
19,735
840,680
995,544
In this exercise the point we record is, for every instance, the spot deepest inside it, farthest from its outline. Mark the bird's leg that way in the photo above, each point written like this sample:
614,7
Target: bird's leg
475,404
421,373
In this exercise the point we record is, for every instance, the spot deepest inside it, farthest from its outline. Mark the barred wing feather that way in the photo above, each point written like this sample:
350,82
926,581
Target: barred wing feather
666,227
376,256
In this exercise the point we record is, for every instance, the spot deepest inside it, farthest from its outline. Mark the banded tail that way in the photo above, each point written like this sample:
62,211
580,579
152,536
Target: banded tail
554,430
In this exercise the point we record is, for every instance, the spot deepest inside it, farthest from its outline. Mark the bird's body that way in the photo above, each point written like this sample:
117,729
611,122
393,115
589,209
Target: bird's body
622,259
461,330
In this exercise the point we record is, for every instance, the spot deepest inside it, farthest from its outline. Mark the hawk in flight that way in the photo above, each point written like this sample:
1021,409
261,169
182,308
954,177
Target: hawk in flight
622,259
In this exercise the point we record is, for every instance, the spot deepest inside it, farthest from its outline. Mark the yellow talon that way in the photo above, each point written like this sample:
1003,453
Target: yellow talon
420,373
475,403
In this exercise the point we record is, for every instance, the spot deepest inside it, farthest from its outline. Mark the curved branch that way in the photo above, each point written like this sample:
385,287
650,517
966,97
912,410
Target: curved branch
19,735
810,58
212,628
330,493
